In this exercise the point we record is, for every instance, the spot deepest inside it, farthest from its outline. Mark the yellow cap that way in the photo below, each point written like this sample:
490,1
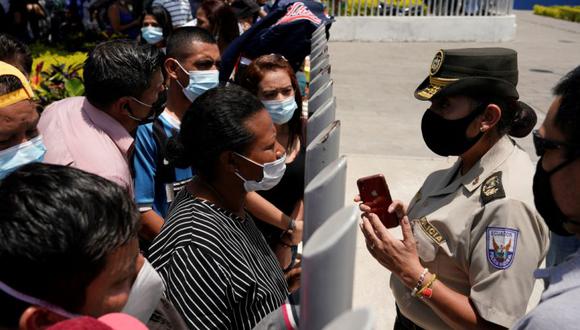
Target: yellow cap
23,93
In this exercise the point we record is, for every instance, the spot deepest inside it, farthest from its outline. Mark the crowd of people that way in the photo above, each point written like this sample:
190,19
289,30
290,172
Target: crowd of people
149,21
170,198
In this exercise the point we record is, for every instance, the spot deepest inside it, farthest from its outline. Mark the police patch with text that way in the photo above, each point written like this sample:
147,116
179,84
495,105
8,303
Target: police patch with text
501,246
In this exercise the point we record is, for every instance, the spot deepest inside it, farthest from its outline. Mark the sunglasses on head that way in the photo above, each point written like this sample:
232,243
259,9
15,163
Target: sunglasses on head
541,144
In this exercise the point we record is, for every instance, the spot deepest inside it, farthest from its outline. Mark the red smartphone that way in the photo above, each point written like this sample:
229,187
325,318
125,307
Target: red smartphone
374,192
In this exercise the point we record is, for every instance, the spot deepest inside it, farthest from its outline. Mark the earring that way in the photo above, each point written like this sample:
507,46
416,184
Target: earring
482,130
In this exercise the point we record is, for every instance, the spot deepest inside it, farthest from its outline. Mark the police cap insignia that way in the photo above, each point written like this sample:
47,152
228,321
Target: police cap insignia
492,188
437,62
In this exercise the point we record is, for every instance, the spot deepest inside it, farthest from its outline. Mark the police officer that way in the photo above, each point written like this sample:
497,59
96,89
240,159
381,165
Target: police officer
471,235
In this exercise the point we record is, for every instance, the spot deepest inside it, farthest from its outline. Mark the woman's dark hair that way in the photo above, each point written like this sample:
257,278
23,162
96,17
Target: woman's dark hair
568,116
223,23
254,74
162,17
214,123
517,119
58,226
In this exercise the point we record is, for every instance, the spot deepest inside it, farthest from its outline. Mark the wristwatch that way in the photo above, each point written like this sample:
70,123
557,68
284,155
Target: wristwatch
292,224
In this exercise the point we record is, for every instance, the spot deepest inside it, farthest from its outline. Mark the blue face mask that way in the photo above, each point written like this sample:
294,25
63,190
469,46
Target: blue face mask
28,152
199,82
281,111
152,34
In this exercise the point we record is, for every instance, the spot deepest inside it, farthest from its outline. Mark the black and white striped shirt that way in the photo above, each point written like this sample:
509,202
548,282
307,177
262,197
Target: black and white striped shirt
179,10
217,267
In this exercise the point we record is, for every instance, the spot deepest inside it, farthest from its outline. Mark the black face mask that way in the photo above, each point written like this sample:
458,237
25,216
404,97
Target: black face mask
447,137
155,111
544,199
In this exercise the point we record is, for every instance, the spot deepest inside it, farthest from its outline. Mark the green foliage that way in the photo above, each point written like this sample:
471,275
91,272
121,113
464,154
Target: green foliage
56,77
57,70
569,13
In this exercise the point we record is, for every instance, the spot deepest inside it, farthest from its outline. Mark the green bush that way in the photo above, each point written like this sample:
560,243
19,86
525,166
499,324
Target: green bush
569,13
56,76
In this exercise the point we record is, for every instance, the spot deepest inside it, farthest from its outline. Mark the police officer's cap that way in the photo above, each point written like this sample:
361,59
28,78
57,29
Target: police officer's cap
471,71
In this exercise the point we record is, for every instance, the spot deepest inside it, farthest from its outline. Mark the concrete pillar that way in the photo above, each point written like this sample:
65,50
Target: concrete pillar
320,120
322,151
328,270
322,96
323,196
359,319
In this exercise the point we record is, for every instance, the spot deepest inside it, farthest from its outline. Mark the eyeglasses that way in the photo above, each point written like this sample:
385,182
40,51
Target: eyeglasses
541,144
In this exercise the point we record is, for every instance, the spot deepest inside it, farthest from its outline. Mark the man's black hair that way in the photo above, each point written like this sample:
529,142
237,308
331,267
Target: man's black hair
568,115
16,53
178,44
119,68
9,83
214,123
58,225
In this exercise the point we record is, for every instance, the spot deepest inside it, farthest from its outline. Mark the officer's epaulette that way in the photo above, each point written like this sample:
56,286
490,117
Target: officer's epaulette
492,188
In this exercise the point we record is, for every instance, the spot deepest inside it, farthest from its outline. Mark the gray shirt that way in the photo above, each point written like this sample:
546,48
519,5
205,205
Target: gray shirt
560,303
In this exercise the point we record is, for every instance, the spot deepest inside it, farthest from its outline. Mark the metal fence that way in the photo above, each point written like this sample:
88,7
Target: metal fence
419,7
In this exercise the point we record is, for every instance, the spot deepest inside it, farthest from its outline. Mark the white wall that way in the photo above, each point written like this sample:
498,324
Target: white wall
424,28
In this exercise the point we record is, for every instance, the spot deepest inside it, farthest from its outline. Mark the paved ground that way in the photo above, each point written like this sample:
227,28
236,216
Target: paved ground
374,84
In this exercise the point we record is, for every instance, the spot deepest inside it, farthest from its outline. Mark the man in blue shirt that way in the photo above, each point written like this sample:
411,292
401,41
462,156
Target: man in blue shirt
191,65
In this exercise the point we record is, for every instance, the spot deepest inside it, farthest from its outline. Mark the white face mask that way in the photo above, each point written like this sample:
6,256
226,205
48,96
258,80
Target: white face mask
145,294
272,174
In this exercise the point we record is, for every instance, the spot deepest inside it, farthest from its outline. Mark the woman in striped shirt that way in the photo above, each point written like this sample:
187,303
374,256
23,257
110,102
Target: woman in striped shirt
217,267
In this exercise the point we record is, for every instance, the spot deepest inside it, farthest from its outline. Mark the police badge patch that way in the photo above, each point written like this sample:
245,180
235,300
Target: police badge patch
501,246
437,62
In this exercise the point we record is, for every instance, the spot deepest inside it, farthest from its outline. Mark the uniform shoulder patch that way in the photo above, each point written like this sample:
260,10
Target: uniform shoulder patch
431,231
501,246
492,188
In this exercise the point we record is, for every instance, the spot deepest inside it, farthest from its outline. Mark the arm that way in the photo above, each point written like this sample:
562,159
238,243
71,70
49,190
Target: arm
266,211
456,309
145,166
151,224
499,293
115,18
298,212
402,259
